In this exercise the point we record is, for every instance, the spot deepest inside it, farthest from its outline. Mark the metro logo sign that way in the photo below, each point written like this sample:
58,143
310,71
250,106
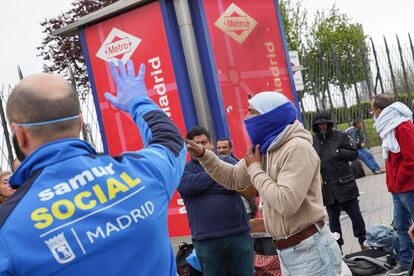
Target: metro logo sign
118,45
118,38
248,57
236,23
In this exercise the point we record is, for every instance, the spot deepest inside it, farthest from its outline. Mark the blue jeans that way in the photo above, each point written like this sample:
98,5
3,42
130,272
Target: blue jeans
318,255
368,159
233,254
403,214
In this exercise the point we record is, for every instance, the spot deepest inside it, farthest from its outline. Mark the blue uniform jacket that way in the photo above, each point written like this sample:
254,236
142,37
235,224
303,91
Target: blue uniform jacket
79,213
213,211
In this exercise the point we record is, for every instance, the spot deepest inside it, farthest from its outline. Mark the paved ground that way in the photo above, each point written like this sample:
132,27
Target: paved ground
375,203
376,207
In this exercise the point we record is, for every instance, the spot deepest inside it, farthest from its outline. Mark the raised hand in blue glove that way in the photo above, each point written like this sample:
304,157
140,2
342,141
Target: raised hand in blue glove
127,84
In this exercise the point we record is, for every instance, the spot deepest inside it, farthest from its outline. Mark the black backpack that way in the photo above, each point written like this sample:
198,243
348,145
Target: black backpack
183,267
370,261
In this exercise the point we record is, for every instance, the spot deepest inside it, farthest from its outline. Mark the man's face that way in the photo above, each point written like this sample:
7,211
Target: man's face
323,128
223,147
204,141
251,112
5,189
375,111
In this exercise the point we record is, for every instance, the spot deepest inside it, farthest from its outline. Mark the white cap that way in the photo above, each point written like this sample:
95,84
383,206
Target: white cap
266,101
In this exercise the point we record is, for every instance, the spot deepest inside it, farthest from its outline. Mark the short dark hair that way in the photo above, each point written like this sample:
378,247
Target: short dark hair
26,105
197,131
382,101
226,139
356,121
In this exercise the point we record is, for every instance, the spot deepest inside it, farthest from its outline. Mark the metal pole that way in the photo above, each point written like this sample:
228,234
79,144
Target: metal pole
73,81
6,134
341,84
407,87
4,123
378,76
350,64
193,65
302,107
367,72
325,84
411,45
391,69
19,71
310,77
326,79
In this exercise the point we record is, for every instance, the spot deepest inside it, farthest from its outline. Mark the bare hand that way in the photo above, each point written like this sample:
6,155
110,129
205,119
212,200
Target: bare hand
253,155
257,225
194,149
410,232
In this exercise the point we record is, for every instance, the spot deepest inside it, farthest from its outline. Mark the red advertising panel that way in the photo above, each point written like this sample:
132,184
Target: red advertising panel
249,55
138,35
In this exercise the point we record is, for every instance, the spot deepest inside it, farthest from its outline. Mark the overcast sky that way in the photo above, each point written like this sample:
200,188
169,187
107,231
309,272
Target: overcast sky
21,32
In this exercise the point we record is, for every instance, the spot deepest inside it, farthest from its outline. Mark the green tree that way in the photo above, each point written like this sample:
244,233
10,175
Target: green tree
294,17
334,34
332,44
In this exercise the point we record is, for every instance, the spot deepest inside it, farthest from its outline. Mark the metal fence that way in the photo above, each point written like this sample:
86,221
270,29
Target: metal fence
90,131
344,86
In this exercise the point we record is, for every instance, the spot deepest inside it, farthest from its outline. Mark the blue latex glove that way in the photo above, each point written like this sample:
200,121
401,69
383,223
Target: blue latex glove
193,260
127,84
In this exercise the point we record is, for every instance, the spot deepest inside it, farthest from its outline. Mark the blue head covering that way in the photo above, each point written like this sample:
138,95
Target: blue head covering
276,113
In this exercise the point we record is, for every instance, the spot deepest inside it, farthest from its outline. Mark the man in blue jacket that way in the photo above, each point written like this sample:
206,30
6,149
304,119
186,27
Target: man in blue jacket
217,217
79,213
357,135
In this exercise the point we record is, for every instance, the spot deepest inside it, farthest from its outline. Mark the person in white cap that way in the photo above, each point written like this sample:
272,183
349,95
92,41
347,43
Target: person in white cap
285,169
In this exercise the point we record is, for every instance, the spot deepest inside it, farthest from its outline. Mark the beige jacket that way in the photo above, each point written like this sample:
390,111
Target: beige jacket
288,181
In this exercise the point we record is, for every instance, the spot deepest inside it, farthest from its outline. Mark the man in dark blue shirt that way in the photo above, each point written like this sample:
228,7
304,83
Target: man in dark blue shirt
357,135
217,217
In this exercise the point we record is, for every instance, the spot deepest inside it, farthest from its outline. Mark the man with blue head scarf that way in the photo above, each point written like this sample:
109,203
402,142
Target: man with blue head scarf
285,170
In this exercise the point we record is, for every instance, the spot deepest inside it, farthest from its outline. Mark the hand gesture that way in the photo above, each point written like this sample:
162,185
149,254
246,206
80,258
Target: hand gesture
253,155
194,149
127,84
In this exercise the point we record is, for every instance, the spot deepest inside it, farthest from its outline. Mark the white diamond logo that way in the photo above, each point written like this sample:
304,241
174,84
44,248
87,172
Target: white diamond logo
118,45
236,23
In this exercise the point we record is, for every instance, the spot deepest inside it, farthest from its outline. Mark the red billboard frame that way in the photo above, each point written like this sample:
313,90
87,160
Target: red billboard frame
243,50
166,79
